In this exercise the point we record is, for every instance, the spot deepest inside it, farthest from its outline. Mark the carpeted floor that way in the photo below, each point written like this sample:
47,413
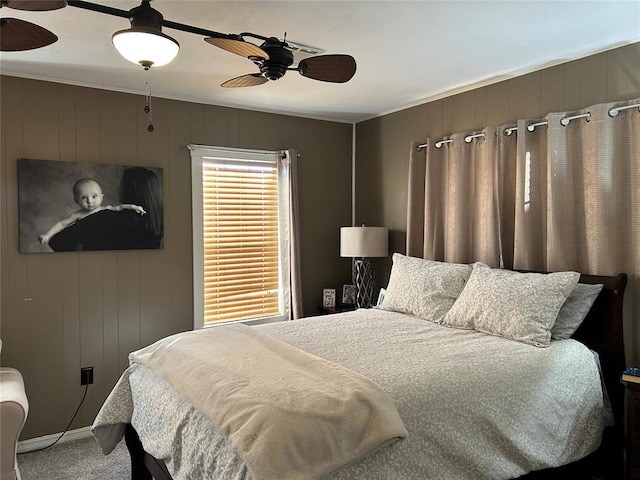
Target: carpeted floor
76,460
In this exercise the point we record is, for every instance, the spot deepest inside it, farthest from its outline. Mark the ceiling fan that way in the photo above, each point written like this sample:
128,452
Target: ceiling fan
273,57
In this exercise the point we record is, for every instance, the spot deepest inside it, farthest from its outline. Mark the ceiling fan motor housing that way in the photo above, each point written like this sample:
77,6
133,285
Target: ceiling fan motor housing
143,16
279,60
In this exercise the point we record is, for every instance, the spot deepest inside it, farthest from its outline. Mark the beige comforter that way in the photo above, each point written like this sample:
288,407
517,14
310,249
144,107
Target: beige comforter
287,413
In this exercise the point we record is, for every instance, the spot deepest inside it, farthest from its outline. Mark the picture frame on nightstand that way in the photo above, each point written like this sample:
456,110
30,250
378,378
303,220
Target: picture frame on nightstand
348,295
329,297
381,297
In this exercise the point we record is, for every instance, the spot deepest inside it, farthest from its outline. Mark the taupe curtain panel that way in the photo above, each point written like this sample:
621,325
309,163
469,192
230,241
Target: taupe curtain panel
454,200
558,193
291,163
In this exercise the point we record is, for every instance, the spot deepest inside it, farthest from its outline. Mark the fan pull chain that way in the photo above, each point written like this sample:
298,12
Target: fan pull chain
147,107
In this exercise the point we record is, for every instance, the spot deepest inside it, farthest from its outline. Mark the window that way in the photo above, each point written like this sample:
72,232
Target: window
240,239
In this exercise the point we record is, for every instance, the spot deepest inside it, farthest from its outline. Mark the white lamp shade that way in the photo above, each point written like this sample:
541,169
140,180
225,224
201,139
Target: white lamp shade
145,46
364,242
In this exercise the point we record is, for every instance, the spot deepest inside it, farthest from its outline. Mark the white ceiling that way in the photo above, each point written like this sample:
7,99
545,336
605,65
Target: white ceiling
408,52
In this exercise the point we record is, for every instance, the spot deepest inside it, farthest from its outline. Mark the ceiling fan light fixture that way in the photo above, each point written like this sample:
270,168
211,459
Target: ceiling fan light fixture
144,43
145,46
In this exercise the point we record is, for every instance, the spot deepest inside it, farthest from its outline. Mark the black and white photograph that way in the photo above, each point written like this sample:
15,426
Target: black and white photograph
69,206
348,295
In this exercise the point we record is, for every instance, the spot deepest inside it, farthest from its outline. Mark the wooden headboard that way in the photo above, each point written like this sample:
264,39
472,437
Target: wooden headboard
602,331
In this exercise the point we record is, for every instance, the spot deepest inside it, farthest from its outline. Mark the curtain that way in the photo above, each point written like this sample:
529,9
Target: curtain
454,201
551,195
291,159
525,206
590,178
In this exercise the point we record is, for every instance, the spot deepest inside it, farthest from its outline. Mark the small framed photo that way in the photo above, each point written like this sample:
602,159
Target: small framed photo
381,297
329,297
348,295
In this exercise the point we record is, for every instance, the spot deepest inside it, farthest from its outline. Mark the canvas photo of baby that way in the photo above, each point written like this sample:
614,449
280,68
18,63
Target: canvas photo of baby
87,193
72,206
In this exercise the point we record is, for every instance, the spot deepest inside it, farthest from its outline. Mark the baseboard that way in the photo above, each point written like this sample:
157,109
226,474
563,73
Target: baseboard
41,442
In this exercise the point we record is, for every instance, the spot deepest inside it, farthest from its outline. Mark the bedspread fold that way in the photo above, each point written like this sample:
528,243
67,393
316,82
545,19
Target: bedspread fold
287,413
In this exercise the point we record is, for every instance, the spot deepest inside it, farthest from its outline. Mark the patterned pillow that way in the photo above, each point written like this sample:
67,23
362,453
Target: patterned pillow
519,306
574,311
424,288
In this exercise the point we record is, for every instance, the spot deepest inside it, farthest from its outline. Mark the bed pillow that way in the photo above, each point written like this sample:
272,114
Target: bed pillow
575,310
424,288
519,306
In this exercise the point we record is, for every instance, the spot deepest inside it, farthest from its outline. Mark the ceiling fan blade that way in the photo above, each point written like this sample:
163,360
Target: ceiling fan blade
239,47
248,80
17,35
328,68
35,5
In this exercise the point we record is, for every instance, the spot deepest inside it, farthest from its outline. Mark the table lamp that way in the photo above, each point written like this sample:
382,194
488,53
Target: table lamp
362,243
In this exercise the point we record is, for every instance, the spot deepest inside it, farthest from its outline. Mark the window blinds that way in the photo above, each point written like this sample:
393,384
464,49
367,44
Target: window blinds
240,229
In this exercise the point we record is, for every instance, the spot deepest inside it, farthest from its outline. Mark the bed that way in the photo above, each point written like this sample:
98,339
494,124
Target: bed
472,401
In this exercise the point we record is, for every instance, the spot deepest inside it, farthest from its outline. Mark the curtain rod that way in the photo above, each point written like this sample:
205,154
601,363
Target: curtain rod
531,127
439,143
564,121
615,110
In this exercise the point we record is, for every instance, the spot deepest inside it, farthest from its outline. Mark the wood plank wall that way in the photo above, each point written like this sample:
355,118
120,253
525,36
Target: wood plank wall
61,311
382,144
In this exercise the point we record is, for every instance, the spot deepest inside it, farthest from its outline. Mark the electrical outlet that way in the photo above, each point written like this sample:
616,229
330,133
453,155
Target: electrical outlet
86,375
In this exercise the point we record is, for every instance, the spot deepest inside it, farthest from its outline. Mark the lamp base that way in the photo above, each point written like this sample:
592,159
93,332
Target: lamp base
363,281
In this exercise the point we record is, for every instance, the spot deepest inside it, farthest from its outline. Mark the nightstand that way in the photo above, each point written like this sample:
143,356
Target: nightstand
336,309
632,430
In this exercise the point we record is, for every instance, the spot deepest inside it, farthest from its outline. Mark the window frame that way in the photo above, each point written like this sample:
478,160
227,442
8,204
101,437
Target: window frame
199,154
